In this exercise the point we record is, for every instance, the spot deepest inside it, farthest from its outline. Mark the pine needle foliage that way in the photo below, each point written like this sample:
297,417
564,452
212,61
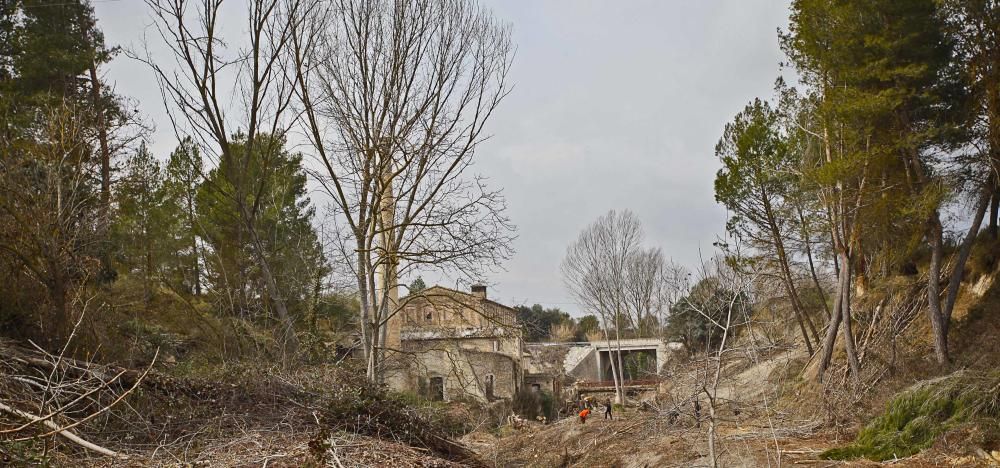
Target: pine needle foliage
916,417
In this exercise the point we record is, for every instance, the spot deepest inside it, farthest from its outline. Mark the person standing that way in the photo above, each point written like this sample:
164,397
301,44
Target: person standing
607,410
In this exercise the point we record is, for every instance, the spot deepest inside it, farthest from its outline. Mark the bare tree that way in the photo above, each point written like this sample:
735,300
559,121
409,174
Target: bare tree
713,387
643,276
726,304
674,281
653,284
394,99
596,271
216,88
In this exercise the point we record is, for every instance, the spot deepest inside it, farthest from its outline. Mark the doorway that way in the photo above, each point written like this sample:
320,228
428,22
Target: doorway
436,389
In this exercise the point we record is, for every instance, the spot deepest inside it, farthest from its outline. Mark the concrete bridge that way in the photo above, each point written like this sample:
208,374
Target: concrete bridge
589,363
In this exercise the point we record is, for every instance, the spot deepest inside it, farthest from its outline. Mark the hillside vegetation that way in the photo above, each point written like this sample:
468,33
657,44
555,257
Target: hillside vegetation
770,407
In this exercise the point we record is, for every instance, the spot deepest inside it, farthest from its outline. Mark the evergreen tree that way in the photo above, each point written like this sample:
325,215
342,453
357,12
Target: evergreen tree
47,131
972,27
50,50
753,183
588,324
537,321
886,98
283,226
144,220
416,286
183,179
694,319
50,57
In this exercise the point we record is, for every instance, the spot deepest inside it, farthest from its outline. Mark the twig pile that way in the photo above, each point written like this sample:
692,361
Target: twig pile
45,395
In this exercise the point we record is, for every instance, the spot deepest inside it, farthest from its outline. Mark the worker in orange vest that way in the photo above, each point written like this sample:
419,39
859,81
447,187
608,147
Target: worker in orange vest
583,415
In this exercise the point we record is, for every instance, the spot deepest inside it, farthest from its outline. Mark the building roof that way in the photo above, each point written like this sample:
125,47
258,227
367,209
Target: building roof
450,291
503,319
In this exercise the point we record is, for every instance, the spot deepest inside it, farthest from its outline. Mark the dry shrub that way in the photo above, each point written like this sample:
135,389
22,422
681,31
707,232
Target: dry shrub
531,404
373,411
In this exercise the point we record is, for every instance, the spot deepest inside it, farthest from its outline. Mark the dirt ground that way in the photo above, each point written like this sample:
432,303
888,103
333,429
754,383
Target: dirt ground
640,439
766,415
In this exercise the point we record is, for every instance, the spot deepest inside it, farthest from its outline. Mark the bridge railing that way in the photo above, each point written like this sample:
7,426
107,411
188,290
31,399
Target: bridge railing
611,383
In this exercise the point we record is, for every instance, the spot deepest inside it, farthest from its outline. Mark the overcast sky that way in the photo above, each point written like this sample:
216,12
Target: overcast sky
616,105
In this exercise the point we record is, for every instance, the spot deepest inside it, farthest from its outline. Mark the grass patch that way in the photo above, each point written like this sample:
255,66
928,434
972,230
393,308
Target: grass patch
915,418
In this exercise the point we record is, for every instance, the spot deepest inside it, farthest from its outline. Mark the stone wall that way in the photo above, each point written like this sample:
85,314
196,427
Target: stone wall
465,371
544,383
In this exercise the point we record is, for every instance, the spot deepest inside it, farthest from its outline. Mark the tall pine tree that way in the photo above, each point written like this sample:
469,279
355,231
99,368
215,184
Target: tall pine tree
283,216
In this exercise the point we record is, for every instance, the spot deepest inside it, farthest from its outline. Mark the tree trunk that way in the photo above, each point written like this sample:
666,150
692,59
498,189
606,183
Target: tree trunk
836,267
786,273
715,386
934,314
802,309
963,253
798,317
619,392
375,314
286,331
935,240
711,431
314,301
845,306
993,134
812,267
363,294
994,207
147,285
241,273
833,328
383,340
104,213
194,244
621,368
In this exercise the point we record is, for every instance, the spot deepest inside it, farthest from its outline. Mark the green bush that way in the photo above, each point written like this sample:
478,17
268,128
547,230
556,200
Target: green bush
913,420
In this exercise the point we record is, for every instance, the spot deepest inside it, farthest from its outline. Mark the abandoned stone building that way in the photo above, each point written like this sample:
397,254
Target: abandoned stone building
457,345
